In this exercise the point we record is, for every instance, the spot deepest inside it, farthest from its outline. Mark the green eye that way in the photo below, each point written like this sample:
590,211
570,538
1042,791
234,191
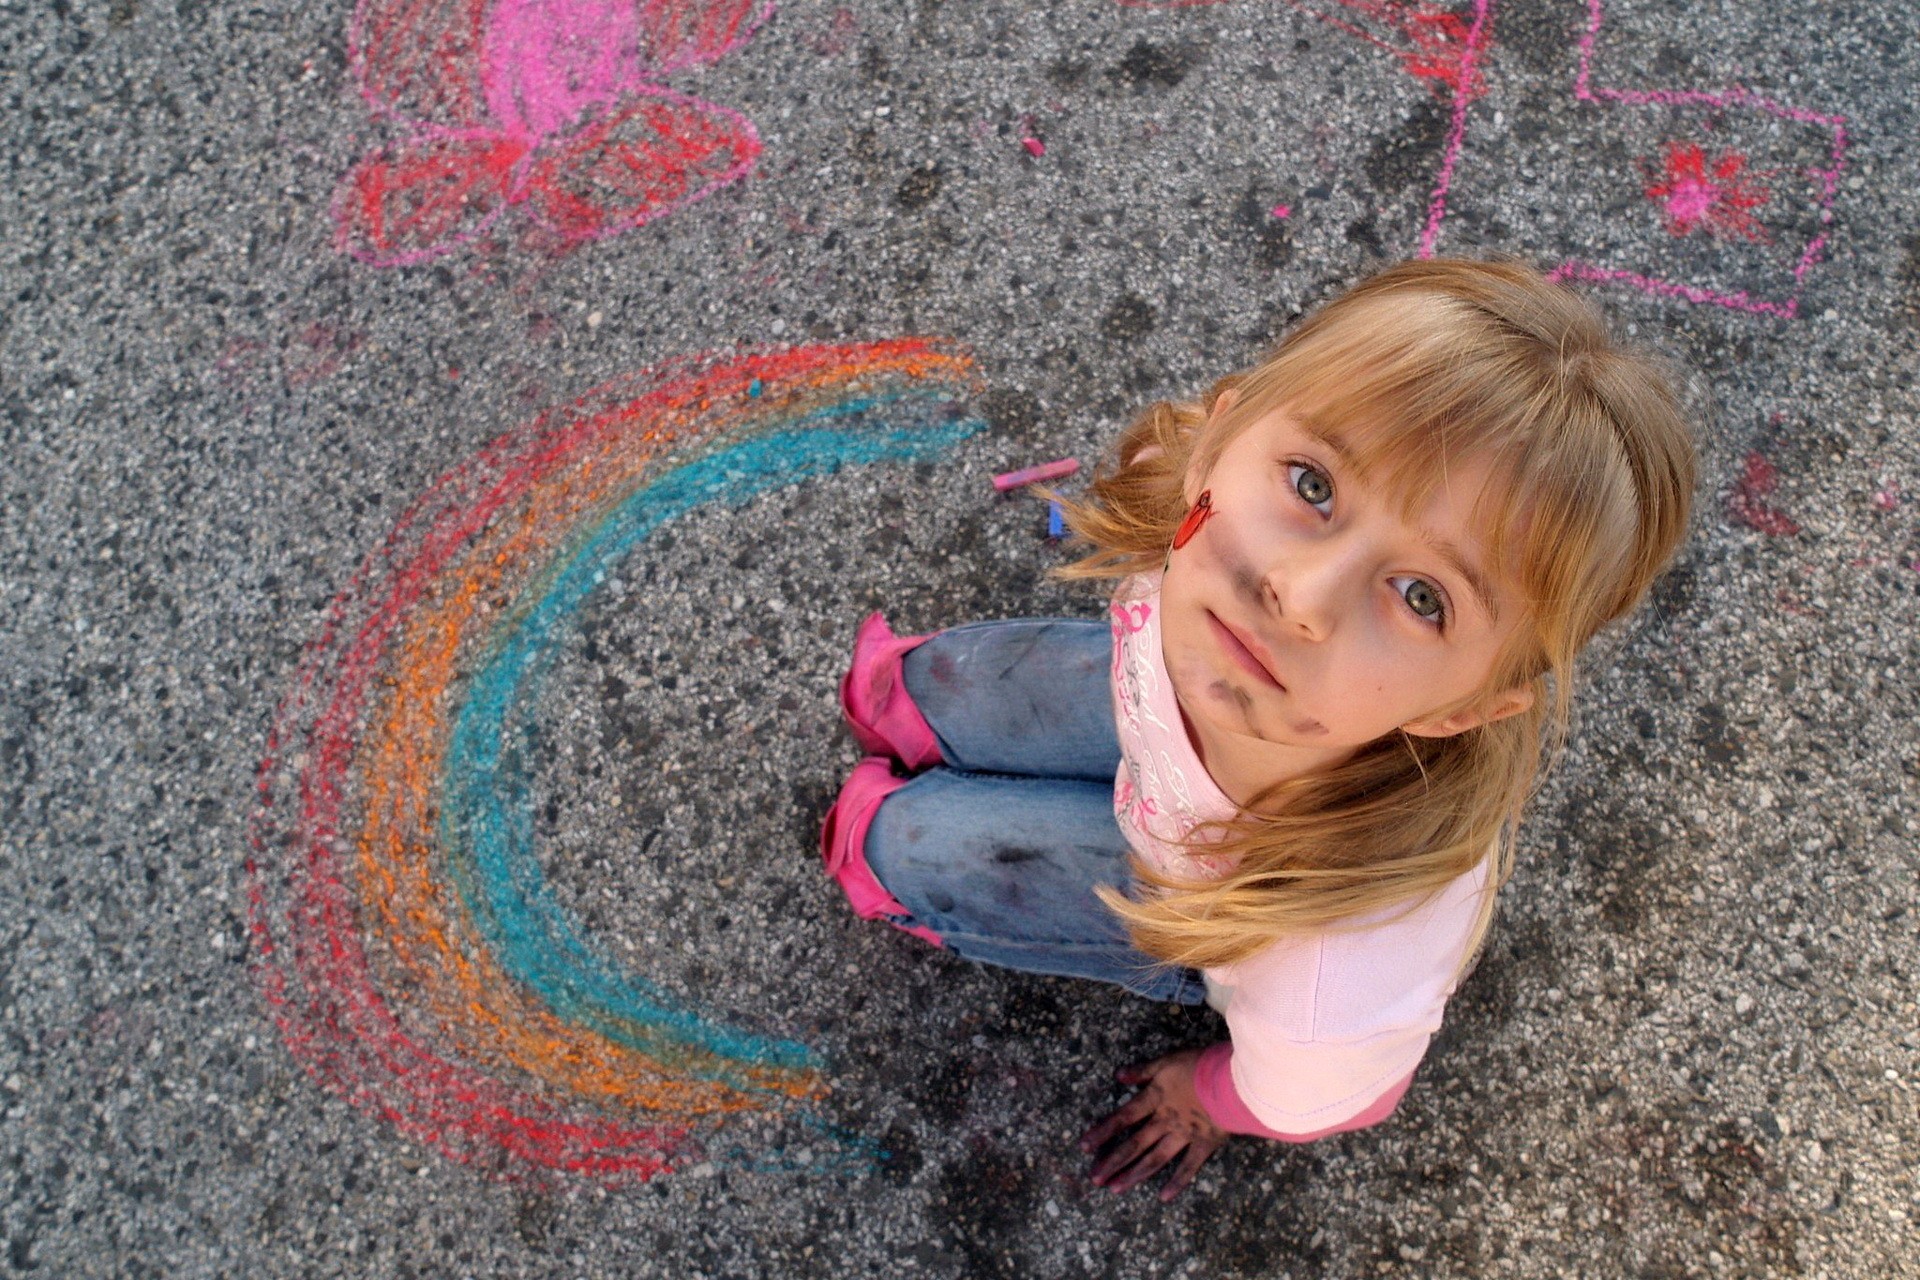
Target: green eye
1422,598
1313,486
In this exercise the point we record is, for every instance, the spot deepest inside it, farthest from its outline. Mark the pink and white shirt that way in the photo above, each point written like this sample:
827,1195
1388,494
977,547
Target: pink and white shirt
1326,1029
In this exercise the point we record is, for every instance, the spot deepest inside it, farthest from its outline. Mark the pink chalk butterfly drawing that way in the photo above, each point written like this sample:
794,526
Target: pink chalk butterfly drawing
557,106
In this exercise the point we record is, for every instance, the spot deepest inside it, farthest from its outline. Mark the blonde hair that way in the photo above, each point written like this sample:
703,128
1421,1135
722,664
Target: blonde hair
1592,473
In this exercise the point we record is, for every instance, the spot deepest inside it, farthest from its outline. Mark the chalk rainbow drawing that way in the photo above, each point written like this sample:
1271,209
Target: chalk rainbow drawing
555,104
1437,45
403,934
1720,198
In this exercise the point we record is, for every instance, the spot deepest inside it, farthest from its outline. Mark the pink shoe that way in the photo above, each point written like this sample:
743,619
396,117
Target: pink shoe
873,695
843,843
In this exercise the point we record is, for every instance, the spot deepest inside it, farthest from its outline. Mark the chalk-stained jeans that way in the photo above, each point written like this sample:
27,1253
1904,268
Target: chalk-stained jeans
995,849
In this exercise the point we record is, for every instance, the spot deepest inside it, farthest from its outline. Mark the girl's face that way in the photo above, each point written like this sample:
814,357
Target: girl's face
1309,617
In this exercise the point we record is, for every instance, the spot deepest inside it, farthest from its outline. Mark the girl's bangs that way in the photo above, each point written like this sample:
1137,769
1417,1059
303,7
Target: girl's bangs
1411,387
1408,397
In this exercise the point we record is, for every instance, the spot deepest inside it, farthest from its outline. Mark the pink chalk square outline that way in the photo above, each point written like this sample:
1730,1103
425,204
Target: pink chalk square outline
1786,307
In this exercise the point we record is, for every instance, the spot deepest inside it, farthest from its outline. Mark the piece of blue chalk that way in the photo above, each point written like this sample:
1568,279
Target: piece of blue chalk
1056,521
753,388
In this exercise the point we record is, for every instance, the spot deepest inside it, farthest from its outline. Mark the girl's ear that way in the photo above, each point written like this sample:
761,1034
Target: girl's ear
1499,706
1196,481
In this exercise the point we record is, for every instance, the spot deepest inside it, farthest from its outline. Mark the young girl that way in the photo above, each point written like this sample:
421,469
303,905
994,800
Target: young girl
1284,779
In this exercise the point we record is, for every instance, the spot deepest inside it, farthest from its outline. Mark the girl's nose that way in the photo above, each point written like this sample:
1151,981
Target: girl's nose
1311,587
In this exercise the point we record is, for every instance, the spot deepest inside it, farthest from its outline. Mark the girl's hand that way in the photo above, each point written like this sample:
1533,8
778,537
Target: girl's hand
1171,1122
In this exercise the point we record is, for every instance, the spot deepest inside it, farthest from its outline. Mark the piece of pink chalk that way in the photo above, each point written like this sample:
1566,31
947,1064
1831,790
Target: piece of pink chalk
1283,211
1035,475
1034,146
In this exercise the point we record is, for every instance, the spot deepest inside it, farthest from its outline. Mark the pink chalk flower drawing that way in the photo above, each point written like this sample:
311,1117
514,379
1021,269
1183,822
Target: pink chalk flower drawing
557,105
1714,194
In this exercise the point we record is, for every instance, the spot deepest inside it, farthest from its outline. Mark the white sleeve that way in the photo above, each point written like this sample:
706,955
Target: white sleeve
1323,1027
1293,1079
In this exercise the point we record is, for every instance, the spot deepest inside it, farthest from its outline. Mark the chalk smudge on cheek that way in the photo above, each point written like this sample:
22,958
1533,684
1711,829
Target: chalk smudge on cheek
1242,701
1229,557
1220,548
1248,584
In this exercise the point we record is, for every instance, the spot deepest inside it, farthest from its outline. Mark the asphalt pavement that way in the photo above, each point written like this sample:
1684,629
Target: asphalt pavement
446,449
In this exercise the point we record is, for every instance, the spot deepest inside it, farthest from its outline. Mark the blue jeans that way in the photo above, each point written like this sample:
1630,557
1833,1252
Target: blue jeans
998,849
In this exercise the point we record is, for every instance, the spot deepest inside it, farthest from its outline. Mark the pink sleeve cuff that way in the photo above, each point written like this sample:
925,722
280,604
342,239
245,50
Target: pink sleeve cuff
1213,1081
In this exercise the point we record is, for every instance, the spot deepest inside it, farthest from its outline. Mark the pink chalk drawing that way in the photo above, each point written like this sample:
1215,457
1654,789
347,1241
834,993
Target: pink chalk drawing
1431,43
315,353
322,351
1709,190
1463,84
1750,502
557,105
1717,194
1714,194
838,36
1436,45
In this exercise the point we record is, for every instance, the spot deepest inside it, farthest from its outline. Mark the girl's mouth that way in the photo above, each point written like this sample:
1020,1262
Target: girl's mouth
1241,651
